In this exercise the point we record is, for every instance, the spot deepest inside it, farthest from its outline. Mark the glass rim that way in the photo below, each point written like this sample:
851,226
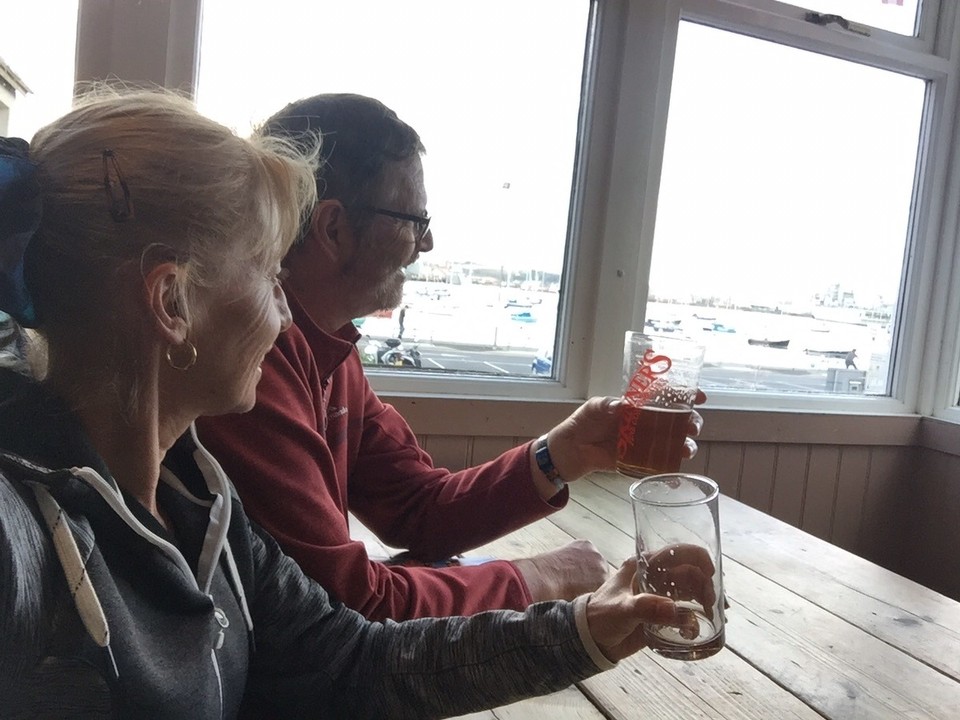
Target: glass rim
700,479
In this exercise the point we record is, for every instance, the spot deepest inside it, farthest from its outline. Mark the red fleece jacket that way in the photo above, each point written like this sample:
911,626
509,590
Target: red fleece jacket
320,443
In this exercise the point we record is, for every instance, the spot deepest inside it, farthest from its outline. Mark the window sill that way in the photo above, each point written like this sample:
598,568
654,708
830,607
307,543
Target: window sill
458,416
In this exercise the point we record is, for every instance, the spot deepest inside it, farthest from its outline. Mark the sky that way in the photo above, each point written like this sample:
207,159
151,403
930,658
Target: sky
492,90
784,171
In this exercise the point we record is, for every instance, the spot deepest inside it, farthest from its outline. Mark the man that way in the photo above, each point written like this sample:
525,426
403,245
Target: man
403,314
850,360
320,443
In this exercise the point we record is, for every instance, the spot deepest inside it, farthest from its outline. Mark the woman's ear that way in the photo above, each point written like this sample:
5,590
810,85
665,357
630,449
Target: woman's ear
161,293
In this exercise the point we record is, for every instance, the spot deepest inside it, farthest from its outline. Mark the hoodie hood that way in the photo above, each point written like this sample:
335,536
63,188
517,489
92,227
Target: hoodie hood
126,576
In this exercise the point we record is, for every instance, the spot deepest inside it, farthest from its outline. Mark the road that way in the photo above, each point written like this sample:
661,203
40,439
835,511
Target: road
518,362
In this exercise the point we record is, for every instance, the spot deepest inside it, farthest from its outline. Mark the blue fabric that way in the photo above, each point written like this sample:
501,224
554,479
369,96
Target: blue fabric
20,212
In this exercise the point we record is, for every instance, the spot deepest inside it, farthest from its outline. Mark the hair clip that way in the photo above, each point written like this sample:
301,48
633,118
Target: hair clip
121,207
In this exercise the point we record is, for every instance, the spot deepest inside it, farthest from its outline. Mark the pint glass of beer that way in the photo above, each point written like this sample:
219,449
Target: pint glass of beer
661,376
678,556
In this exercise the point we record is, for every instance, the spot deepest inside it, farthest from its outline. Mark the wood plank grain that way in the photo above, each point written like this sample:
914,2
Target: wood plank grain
820,489
921,622
789,483
836,667
450,451
487,448
646,685
884,526
840,668
723,686
851,490
567,704
725,465
930,545
756,481
649,686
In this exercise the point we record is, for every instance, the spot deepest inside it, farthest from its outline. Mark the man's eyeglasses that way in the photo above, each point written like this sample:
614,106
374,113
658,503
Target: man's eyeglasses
420,222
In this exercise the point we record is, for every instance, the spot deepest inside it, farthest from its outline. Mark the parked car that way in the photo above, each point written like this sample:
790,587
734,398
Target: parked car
543,362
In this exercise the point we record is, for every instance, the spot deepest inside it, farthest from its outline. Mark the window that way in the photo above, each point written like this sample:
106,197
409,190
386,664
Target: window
494,92
783,213
712,219
36,76
607,97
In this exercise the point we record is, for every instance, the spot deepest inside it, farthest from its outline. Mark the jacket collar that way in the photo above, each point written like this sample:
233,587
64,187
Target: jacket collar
329,351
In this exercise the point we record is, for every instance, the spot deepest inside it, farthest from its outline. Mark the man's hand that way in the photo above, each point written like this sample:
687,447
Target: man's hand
682,572
587,440
616,614
564,573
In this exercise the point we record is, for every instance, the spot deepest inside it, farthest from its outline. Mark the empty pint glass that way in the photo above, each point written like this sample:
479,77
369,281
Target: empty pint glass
661,376
678,556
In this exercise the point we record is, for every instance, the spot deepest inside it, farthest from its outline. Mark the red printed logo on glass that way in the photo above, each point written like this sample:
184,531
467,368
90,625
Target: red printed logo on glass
642,385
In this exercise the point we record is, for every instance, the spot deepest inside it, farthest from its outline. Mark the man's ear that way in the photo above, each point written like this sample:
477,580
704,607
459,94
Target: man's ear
161,294
330,235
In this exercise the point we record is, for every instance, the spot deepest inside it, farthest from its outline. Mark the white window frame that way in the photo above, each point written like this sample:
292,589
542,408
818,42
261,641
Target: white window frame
628,70
650,40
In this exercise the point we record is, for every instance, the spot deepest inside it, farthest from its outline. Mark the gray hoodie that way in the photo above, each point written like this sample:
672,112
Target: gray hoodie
104,614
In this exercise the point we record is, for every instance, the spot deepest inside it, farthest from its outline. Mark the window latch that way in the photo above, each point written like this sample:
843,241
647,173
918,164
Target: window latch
825,19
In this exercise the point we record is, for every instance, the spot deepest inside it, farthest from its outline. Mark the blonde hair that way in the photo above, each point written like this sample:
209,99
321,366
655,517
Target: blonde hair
129,179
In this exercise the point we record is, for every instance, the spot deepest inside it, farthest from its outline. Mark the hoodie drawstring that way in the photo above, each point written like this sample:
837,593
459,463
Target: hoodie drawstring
75,568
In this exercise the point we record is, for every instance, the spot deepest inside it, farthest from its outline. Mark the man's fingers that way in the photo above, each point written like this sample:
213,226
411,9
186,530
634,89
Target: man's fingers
682,554
695,425
684,582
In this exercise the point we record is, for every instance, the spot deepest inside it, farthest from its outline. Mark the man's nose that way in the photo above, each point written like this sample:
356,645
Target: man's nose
426,242
286,317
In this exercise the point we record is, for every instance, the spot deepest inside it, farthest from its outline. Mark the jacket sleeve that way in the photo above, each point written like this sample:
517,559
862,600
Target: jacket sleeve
399,494
314,658
277,457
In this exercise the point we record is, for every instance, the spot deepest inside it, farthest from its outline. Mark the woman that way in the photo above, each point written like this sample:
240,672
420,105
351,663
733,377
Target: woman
143,242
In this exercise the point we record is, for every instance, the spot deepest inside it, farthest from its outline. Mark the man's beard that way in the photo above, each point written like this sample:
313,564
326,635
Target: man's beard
389,291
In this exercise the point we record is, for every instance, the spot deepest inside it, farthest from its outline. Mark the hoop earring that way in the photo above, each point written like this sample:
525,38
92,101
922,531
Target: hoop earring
191,356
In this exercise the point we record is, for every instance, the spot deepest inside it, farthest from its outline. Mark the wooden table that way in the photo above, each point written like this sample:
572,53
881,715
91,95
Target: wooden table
812,632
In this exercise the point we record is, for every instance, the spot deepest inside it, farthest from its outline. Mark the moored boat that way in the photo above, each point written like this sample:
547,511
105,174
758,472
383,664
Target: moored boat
778,344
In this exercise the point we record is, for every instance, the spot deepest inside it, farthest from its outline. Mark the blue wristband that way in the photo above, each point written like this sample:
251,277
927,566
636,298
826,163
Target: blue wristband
545,463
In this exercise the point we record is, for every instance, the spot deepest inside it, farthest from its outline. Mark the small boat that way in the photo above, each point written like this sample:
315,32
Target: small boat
779,344
841,354
524,317
718,327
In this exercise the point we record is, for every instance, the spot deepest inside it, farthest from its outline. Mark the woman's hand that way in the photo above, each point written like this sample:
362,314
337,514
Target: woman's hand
616,613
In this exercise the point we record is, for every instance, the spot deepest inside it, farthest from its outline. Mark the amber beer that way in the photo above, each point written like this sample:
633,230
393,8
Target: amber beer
652,439
661,376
